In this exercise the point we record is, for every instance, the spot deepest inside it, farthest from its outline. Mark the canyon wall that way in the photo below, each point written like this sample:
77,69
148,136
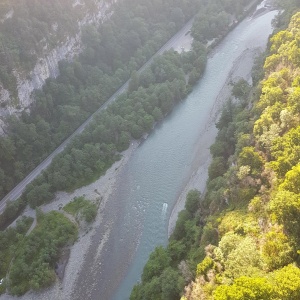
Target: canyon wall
47,64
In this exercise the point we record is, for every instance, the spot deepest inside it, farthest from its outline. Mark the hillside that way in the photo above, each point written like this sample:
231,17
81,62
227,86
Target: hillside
240,240
255,254
108,57
35,36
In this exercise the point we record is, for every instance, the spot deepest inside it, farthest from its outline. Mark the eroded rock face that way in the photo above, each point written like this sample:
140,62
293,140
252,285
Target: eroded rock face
46,67
47,64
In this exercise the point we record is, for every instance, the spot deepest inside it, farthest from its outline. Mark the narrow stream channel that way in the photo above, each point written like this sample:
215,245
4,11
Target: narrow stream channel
138,212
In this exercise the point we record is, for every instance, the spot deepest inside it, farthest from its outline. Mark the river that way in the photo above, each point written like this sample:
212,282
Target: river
137,214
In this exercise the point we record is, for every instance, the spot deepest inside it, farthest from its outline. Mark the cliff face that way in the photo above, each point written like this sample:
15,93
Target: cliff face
47,62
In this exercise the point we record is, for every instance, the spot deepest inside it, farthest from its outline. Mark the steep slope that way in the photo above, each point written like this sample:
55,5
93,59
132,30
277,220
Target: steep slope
255,254
241,239
35,36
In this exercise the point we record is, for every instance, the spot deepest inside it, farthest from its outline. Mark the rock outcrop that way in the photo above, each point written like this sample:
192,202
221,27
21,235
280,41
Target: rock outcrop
47,65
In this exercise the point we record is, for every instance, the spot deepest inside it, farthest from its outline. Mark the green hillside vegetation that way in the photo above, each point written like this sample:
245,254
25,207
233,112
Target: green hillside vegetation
29,28
241,239
10,240
83,85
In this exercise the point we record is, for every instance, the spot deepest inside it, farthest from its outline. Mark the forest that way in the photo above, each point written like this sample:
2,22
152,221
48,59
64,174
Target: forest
240,240
113,52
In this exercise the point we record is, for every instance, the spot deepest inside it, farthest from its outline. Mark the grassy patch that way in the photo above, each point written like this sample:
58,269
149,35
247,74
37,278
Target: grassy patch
80,207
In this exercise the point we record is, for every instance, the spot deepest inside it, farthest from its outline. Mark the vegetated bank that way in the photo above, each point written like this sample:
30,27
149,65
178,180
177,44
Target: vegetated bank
159,87
240,240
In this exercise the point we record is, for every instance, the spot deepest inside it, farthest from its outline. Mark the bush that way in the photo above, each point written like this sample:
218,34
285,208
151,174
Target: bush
192,201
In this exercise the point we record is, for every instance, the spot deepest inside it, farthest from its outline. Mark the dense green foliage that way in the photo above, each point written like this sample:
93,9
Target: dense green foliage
247,228
256,256
34,259
10,240
11,212
220,18
82,208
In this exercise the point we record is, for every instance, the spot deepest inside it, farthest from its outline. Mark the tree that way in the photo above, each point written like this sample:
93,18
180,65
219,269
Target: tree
134,82
165,97
157,114
89,212
243,260
179,231
172,284
151,290
277,250
229,242
292,180
286,282
245,288
203,267
136,131
285,208
194,76
249,157
148,122
241,89
39,195
158,261
176,250
192,201
217,168
177,17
